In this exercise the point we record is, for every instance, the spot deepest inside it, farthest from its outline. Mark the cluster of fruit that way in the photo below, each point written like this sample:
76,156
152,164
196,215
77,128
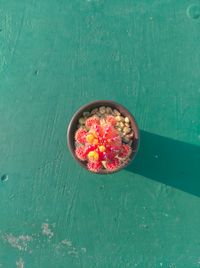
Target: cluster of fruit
100,144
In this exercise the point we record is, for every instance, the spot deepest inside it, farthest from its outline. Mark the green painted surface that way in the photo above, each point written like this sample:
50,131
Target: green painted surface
58,55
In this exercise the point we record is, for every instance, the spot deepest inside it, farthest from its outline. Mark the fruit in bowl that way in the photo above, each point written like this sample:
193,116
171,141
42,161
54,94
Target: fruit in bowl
103,137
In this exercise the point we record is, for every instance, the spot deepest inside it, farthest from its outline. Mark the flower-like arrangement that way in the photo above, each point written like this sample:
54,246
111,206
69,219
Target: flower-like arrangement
101,142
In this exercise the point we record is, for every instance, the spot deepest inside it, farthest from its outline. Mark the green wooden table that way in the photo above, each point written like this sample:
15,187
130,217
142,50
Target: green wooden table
58,55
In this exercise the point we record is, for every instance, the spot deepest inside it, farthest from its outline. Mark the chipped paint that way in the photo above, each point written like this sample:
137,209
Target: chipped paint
46,230
67,246
66,242
20,242
84,250
20,263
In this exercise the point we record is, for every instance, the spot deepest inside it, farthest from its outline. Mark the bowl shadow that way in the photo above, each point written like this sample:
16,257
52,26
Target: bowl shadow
168,161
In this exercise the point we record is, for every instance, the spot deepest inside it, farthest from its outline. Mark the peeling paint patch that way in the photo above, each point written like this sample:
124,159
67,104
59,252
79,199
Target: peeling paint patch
73,251
66,242
46,230
20,263
19,242
67,246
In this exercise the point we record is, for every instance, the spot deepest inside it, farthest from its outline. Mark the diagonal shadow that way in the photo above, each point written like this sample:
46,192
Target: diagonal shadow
168,161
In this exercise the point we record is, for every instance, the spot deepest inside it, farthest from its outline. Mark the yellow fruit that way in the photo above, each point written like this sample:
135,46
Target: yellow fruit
90,138
94,156
95,141
94,134
102,148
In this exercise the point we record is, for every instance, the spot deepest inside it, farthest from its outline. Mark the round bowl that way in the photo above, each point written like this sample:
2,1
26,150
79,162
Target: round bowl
72,127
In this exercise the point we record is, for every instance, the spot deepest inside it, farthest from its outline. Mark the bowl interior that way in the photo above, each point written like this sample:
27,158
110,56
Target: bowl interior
96,104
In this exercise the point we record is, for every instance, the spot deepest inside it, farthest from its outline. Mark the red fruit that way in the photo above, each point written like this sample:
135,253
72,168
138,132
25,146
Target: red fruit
110,132
80,153
94,166
94,120
116,141
80,135
107,129
110,119
112,138
125,151
108,149
98,130
112,165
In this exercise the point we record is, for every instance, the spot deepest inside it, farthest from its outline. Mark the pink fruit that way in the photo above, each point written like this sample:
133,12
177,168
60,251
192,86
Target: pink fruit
125,151
113,164
101,143
94,166
94,120
80,135
80,153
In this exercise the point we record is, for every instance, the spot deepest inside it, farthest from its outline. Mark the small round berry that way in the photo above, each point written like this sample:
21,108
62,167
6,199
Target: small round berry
90,138
93,156
102,148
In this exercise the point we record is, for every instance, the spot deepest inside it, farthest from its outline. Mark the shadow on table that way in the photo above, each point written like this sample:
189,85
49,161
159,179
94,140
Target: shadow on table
168,161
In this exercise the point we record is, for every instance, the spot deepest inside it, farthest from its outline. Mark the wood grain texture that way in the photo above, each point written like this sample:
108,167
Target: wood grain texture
56,56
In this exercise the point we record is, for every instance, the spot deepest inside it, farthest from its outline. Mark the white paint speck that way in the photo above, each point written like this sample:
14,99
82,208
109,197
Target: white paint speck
19,242
144,226
156,156
20,263
73,252
67,246
46,230
165,214
84,250
161,264
66,242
